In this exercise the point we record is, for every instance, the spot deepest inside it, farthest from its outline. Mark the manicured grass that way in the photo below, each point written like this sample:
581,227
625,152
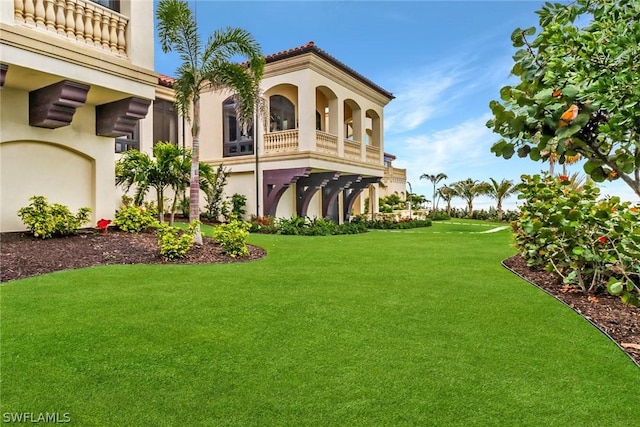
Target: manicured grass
416,327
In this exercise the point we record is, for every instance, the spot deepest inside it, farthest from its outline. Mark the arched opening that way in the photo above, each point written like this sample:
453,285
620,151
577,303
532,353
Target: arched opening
282,114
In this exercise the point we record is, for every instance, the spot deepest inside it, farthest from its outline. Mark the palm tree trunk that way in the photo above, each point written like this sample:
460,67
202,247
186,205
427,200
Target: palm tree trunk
470,206
194,182
499,210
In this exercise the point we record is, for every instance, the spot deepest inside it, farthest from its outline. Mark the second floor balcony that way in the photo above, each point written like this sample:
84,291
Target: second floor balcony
287,142
82,21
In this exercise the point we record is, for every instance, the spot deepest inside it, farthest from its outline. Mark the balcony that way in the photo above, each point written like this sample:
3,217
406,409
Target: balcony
80,20
287,141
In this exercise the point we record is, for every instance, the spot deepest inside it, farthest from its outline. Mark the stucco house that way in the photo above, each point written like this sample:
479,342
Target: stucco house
74,75
78,88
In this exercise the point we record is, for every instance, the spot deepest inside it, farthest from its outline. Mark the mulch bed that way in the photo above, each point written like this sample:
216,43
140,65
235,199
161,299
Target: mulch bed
22,255
617,320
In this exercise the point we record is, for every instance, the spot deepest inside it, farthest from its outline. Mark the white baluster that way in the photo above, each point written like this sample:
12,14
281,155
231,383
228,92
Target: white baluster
97,33
70,22
39,14
18,10
29,11
122,41
113,34
50,15
88,24
105,32
60,16
79,22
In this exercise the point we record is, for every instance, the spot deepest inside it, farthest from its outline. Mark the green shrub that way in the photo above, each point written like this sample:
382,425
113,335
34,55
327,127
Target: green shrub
175,243
134,219
263,224
291,226
233,238
403,224
591,243
238,204
45,220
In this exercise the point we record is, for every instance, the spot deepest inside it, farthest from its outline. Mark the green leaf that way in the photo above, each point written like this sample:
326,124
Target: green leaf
615,288
578,250
567,131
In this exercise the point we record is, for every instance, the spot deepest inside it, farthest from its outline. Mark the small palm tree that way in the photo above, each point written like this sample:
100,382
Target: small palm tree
164,170
447,194
206,66
468,190
434,180
500,191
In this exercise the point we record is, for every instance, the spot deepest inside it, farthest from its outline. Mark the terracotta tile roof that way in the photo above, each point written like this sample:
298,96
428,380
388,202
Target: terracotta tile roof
165,81
390,156
310,47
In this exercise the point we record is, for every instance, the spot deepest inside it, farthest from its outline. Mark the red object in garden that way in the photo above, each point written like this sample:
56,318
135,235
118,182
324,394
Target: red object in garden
103,224
602,239
564,178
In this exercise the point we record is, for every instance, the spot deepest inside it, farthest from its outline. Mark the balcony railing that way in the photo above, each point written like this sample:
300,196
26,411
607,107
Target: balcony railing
352,149
79,20
326,142
282,141
373,154
392,174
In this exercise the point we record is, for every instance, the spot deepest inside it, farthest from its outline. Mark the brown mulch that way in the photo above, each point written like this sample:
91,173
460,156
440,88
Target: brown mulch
22,255
617,320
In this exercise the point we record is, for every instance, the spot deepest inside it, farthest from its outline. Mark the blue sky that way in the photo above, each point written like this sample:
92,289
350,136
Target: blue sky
443,60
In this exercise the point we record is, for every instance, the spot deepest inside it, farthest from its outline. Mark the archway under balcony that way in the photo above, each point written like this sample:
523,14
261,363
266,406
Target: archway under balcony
327,119
282,106
352,121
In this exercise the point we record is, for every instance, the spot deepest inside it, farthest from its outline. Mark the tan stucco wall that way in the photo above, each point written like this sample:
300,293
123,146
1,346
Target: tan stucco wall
69,165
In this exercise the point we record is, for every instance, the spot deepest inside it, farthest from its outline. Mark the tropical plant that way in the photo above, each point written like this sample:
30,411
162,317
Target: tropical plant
434,180
206,66
579,90
591,243
500,191
163,170
447,194
468,189
134,219
214,194
46,220
174,242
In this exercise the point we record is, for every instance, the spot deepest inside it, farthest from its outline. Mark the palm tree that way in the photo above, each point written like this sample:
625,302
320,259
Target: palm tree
160,172
446,193
434,180
468,190
500,191
204,67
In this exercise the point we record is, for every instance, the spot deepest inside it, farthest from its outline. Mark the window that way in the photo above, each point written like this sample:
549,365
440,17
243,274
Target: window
111,4
282,114
237,139
318,121
129,142
165,122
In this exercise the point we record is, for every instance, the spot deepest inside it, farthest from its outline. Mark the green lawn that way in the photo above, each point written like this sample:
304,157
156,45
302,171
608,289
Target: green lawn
388,328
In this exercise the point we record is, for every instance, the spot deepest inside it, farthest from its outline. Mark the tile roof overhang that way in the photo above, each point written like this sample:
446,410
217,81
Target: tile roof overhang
310,47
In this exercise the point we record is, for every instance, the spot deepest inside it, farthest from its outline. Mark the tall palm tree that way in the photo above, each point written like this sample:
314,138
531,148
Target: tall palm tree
206,66
447,194
139,169
434,180
468,190
500,191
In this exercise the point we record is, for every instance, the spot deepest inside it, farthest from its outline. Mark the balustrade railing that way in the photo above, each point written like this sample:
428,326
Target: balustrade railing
352,149
282,141
326,142
80,20
373,154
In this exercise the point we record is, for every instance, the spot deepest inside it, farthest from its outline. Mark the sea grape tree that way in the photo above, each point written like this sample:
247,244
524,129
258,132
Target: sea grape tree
578,90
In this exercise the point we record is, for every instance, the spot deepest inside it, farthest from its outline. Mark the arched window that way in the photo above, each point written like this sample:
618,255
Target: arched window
282,113
237,139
